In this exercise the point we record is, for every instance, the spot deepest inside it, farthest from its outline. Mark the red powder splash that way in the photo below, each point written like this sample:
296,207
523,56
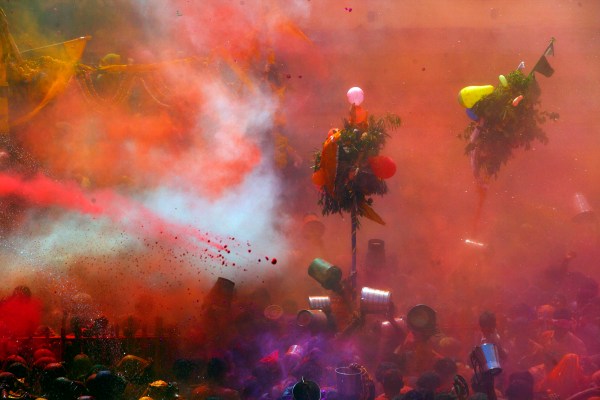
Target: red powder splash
129,215
45,192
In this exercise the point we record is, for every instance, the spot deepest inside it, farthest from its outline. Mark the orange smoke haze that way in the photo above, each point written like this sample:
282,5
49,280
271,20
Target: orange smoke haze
201,163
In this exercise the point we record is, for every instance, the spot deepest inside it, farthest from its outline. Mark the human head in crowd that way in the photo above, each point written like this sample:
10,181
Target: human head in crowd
428,383
49,374
161,390
562,321
487,322
135,369
446,369
105,385
80,367
20,370
392,383
66,389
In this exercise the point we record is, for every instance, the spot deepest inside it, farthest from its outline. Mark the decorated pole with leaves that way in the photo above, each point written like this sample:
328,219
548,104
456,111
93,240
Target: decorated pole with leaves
504,118
349,170
353,271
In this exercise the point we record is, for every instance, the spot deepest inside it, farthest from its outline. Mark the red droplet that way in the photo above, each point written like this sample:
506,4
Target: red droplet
274,261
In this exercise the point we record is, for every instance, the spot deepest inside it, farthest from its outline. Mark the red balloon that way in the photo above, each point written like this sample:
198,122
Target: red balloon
382,166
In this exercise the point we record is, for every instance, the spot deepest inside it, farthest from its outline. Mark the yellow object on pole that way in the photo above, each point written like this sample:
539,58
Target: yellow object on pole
503,80
468,96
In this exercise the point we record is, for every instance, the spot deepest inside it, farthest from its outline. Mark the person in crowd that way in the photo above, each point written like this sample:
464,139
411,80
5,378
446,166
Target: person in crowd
10,385
186,373
520,386
106,385
427,384
161,390
80,367
66,389
214,386
20,313
446,369
489,333
418,352
392,384
566,378
138,373
560,340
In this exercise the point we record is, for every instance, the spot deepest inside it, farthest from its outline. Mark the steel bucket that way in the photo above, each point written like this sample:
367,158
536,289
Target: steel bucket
583,210
316,320
395,328
422,319
374,301
375,257
349,382
319,303
487,356
327,274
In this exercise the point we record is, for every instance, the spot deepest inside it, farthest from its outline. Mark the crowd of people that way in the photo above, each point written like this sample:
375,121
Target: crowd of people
540,351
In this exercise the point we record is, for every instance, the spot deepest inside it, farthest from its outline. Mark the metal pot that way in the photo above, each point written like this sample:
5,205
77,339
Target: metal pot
316,320
327,274
422,319
487,357
349,382
374,301
319,303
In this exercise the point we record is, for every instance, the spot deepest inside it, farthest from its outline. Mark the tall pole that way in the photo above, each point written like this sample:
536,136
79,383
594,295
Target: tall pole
354,218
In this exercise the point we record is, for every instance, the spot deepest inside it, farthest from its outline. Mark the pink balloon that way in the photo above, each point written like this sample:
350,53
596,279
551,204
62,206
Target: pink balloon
355,95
